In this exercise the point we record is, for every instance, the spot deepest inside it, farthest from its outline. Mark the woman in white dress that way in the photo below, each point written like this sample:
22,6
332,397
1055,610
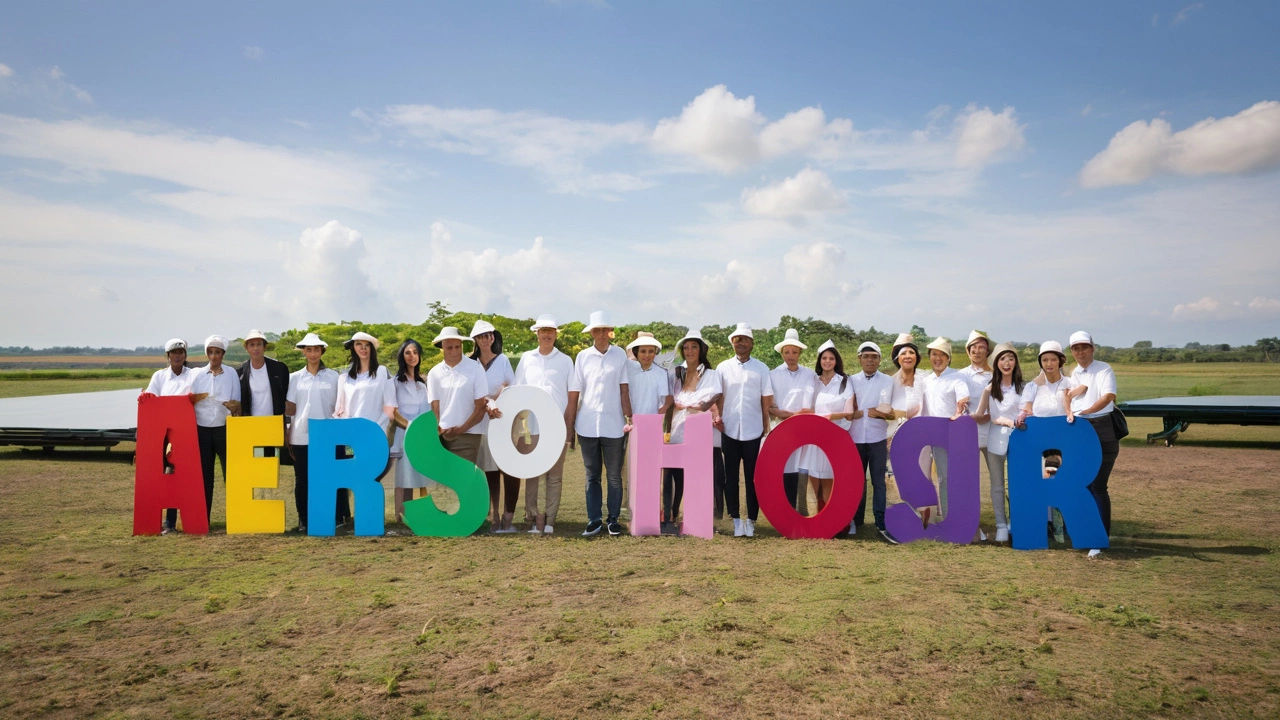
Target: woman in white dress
364,391
695,387
833,400
1000,406
411,401
504,490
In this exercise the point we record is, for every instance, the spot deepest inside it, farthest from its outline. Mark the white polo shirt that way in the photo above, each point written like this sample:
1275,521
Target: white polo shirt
744,384
1046,400
497,375
551,372
941,392
457,389
365,397
977,380
792,392
1099,379
165,384
210,412
871,392
648,389
598,378
314,398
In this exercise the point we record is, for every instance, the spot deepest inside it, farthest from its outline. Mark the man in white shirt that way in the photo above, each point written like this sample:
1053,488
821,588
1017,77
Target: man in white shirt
873,395
170,382
599,407
946,394
217,396
458,392
547,368
264,381
744,417
1096,405
793,392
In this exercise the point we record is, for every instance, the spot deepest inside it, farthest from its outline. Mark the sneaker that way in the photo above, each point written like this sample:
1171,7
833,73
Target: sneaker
593,528
302,529
504,531
1002,535
853,527
887,537
668,528
749,527
614,528
534,531
547,530
737,528
165,529
982,537
1094,554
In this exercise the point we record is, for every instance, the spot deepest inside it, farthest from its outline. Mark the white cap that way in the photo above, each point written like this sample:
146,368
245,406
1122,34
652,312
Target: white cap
362,336
828,345
1080,337
449,333
311,340
217,341
743,329
481,327
255,335
599,319
940,343
545,321
644,339
869,346
175,344
1052,346
792,339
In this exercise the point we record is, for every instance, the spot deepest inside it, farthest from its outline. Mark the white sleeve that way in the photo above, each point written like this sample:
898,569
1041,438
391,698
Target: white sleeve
575,377
433,387
1106,381
388,389
482,385
291,395
766,385
153,387
962,389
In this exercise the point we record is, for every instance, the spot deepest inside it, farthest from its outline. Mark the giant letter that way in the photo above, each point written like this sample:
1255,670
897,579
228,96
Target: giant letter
358,474
649,455
246,472
964,486
1030,495
847,488
172,419
423,449
551,432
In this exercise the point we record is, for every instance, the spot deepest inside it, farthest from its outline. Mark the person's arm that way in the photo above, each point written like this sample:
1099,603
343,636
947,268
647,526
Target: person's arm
435,409
765,402
477,414
983,414
1066,405
571,418
962,398
624,392
340,408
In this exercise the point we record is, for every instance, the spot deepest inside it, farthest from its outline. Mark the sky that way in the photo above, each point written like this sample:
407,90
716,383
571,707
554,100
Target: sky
1029,169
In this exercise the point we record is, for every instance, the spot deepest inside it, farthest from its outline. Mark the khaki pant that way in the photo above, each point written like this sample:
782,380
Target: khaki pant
554,478
465,445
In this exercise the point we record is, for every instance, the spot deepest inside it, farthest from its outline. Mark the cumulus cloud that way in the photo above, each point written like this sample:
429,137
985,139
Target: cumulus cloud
738,281
809,191
1261,304
817,269
5,70
489,280
325,263
717,128
252,52
219,174
557,147
982,135
1185,13
1246,142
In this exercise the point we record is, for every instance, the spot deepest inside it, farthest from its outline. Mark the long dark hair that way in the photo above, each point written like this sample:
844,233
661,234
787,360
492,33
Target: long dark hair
702,358
402,371
355,360
898,350
997,377
817,366
496,347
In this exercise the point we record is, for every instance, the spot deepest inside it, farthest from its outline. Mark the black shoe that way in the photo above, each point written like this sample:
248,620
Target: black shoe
614,528
669,528
888,538
593,528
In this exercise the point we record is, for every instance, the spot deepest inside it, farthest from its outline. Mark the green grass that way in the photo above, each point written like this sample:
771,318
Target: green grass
92,374
30,387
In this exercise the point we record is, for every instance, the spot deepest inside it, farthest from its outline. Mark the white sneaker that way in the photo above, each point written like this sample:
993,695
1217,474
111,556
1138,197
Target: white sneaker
738,531
534,530
1002,535
547,530
749,528
982,537
853,527
1094,554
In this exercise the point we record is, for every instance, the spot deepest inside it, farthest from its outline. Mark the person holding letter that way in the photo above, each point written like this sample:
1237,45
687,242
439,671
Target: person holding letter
999,407
487,343
217,396
744,418
834,401
547,368
410,402
172,381
695,388
312,395
364,391
1096,405
793,389
873,399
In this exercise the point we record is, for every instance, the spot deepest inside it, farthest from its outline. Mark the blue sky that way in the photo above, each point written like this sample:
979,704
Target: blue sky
1023,168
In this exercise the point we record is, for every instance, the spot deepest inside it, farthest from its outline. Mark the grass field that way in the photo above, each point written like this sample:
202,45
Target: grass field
1179,618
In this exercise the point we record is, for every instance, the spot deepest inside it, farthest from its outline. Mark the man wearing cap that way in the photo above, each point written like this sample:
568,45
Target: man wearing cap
547,368
600,407
172,381
217,395
264,381
873,396
793,392
946,394
747,396
1096,405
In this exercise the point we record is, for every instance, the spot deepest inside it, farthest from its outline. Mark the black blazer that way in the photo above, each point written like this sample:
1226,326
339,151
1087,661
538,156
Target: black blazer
277,377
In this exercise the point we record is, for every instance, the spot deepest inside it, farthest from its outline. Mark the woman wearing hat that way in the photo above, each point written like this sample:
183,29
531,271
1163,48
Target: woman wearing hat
217,394
312,395
695,388
794,386
458,392
547,368
487,350
411,401
834,401
1000,407
172,381
649,386
946,395
364,391
1049,395
1096,404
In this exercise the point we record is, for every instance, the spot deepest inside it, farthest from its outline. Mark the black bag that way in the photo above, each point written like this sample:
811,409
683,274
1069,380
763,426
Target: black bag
1120,424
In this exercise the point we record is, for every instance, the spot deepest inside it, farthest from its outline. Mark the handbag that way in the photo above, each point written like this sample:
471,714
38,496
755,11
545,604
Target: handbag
1119,424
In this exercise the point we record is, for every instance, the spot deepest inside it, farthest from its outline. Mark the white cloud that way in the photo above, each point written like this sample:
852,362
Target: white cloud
555,146
981,136
1185,13
795,133
1269,306
489,280
1248,141
252,52
1084,111
1204,306
717,128
329,282
55,73
810,191
724,289
222,172
817,269
5,70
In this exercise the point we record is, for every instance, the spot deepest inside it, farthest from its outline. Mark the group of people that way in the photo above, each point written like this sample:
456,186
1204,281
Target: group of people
604,386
